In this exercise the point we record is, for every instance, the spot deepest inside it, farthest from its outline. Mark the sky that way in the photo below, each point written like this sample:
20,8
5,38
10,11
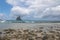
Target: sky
30,9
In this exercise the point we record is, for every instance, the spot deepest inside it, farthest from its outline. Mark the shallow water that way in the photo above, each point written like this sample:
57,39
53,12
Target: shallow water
27,25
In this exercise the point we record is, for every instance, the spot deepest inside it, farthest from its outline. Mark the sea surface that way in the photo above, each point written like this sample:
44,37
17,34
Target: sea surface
27,24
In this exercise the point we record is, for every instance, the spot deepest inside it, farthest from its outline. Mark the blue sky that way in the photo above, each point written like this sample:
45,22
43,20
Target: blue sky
30,9
5,7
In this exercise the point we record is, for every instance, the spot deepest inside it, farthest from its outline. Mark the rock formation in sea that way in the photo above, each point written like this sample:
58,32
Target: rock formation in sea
19,18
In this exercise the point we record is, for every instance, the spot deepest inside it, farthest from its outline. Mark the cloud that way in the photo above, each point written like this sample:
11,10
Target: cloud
52,13
2,16
57,8
35,8
20,10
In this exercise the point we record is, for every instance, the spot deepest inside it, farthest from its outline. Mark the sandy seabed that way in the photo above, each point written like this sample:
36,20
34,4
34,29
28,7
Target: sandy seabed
30,31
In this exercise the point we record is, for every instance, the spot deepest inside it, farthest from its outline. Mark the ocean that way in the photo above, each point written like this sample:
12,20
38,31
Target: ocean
27,24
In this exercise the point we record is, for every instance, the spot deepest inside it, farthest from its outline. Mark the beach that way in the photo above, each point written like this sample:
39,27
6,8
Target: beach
30,31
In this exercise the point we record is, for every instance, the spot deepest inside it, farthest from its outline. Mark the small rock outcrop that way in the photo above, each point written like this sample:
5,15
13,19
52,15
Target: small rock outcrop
19,18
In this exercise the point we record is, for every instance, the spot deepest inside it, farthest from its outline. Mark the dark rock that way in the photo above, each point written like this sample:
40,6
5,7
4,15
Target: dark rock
19,18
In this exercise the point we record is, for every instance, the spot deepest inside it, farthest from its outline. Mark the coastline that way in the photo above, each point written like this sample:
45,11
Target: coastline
27,25
30,31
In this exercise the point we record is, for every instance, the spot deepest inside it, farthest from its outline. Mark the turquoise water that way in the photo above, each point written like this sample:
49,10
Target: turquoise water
29,21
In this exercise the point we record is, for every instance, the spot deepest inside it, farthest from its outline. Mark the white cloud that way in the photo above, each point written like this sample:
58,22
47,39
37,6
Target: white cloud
35,8
52,13
57,8
20,10
2,16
